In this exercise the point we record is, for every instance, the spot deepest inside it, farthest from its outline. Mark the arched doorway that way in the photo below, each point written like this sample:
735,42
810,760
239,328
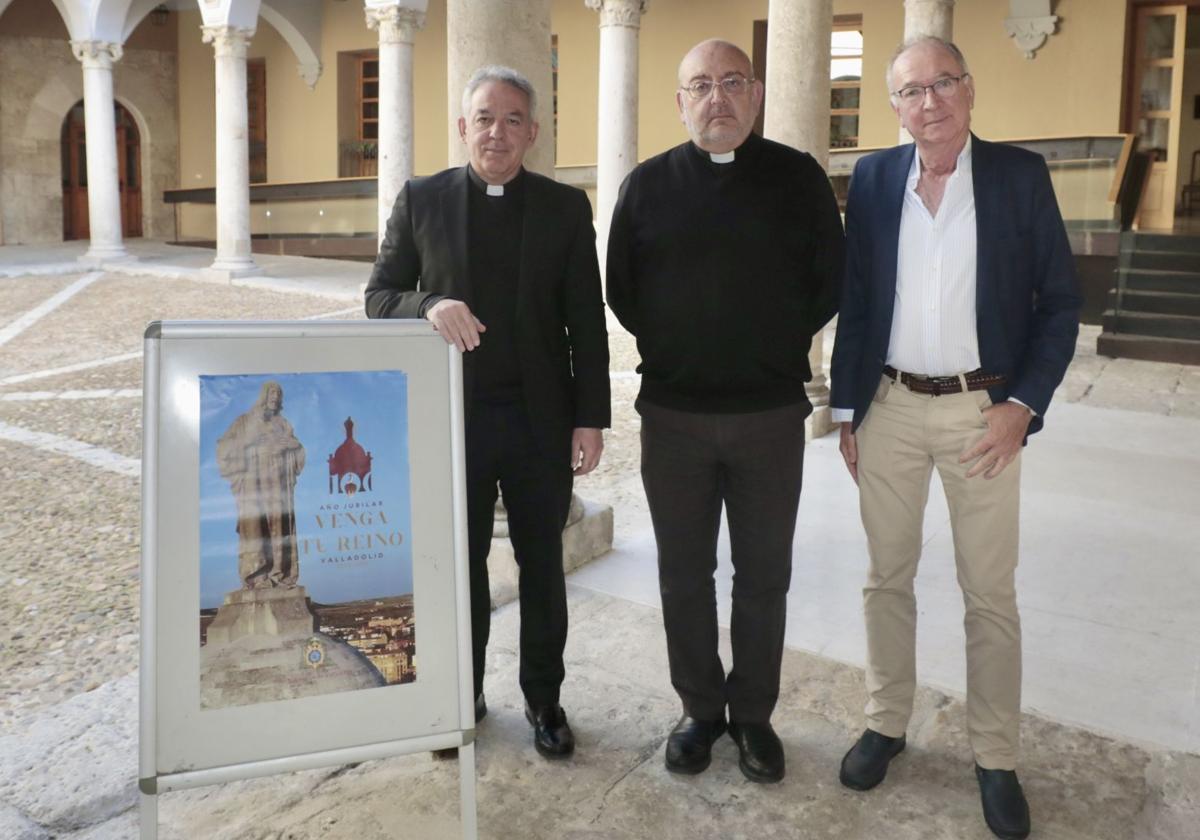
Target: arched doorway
75,175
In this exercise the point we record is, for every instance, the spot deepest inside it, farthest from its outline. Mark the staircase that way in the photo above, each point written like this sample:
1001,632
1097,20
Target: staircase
1154,311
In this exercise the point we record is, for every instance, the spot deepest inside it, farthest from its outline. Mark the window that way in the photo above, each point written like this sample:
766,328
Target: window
845,73
368,97
358,114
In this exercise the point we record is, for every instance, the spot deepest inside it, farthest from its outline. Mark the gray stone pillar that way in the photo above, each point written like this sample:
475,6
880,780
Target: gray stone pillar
100,126
482,32
397,27
797,113
616,143
929,17
234,257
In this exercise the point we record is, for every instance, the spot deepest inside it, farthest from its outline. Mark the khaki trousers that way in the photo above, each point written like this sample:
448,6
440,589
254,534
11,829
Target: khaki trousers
902,438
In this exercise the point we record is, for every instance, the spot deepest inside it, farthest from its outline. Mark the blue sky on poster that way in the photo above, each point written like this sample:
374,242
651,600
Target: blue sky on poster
316,405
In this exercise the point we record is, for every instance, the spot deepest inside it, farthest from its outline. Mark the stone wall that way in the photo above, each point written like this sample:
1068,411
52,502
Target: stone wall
40,81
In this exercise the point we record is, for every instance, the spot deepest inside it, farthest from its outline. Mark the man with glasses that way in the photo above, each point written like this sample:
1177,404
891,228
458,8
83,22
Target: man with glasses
502,262
724,257
959,315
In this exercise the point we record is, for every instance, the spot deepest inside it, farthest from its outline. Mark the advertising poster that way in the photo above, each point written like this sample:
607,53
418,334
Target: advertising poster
306,581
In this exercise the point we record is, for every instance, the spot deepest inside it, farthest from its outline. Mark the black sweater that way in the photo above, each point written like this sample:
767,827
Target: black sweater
724,272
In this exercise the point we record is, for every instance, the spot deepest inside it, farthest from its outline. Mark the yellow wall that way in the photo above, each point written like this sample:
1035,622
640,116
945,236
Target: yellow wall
1073,86
302,141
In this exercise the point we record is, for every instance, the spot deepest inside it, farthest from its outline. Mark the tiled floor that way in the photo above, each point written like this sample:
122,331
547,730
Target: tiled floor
1109,582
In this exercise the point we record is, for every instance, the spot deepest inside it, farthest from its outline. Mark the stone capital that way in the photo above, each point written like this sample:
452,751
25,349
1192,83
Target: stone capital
97,54
935,4
227,40
619,12
396,25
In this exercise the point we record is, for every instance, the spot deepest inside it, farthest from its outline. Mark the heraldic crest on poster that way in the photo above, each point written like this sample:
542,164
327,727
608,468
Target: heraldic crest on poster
305,575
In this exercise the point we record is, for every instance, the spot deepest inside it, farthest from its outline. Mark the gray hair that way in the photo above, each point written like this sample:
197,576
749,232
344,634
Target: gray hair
948,46
499,73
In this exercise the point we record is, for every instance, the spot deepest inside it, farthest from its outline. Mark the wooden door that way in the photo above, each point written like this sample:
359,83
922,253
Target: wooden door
75,174
129,170
1156,107
256,122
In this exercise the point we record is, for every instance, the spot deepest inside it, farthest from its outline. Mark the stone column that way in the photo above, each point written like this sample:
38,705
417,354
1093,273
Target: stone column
928,17
616,143
482,32
397,28
233,156
100,126
797,113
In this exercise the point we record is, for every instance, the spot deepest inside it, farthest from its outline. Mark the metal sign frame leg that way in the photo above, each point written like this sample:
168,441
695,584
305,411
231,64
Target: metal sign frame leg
148,816
466,785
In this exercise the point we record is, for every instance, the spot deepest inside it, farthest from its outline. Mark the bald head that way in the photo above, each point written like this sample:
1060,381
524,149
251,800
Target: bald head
718,96
714,50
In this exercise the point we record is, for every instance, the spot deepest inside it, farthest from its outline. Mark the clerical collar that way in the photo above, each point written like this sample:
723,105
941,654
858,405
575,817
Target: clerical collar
495,190
721,161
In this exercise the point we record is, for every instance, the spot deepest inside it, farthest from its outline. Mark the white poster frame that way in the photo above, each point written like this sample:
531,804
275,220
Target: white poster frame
179,746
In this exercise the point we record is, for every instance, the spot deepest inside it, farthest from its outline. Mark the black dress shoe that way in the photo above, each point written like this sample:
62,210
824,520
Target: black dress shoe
865,765
1004,805
689,746
761,751
552,736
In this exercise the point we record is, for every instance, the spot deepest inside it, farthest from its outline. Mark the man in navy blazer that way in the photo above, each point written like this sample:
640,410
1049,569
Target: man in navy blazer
959,314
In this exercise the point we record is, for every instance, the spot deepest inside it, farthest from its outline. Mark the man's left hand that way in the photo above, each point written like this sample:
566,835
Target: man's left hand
586,446
1007,423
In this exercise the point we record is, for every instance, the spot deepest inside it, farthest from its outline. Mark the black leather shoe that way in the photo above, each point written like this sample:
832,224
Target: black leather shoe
865,765
552,736
689,746
480,708
761,751
1004,805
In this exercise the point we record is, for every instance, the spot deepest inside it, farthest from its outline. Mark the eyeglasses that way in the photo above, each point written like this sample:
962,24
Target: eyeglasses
943,88
730,86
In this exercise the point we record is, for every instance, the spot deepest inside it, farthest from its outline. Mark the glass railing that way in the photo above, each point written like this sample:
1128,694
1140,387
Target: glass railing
345,208
1086,172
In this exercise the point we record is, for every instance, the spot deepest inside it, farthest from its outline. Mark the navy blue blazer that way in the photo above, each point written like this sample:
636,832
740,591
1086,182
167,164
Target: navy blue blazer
1027,297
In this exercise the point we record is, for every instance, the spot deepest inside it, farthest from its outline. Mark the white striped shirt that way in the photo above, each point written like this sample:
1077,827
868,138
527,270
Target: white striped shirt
933,324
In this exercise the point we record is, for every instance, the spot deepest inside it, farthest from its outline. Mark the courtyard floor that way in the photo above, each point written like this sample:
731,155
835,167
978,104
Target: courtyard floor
1109,589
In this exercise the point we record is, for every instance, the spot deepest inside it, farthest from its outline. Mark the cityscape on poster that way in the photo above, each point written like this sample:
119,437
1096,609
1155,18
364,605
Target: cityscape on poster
306,583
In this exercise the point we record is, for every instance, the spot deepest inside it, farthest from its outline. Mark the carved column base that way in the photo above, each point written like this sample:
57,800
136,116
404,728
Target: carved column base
588,535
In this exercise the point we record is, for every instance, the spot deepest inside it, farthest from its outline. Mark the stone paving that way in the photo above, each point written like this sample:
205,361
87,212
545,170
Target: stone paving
69,600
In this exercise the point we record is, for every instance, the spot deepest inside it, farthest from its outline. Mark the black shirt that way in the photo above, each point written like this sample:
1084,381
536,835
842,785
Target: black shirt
494,235
723,272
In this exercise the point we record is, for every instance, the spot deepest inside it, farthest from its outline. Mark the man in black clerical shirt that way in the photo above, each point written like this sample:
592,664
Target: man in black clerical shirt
503,263
724,259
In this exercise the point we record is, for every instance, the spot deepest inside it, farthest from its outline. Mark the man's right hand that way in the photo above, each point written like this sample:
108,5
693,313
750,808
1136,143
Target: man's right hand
849,448
456,323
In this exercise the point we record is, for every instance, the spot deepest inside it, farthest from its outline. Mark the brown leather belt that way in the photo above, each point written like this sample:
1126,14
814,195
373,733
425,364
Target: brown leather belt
935,386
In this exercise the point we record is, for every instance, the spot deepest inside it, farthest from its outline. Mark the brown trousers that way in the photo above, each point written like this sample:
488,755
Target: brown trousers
900,441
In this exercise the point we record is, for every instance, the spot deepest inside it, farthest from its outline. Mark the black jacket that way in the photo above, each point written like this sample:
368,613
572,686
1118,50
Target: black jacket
561,337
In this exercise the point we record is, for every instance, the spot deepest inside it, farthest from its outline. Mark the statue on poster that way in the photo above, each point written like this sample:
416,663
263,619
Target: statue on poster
306,575
261,458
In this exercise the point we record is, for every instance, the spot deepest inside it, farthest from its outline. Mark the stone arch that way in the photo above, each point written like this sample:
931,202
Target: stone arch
301,29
